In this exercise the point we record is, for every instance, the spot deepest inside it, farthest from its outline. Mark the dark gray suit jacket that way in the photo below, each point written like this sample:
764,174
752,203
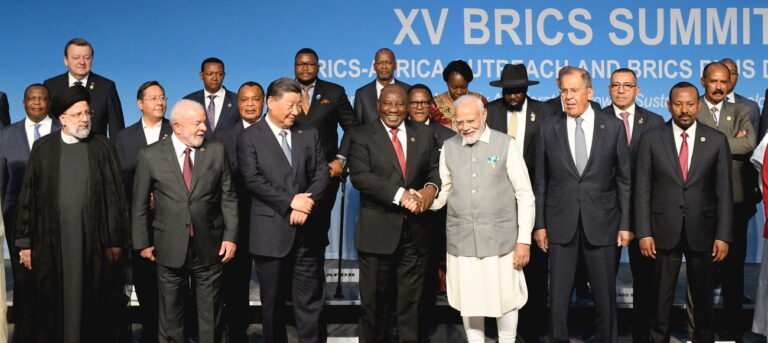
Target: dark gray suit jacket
644,121
210,205
366,101
105,102
272,183
665,204
754,110
600,197
5,115
128,142
229,115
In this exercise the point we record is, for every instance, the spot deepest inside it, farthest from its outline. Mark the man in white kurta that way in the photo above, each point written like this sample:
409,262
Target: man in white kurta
490,217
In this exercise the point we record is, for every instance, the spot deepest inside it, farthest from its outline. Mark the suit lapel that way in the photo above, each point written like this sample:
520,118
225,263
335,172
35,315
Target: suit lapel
598,136
382,137
705,115
637,127
317,94
701,144
531,126
297,137
270,138
200,158
22,136
410,158
561,134
671,149
226,108
172,159
165,129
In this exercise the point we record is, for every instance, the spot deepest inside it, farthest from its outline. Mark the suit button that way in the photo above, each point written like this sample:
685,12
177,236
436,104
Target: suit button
474,191
681,207
474,159
685,189
474,175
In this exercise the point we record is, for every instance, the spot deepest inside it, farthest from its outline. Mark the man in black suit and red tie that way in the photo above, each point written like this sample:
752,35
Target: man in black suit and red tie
367,97
637,120
394,165
519,116
683,207
219,103
582,202
105,103
286,173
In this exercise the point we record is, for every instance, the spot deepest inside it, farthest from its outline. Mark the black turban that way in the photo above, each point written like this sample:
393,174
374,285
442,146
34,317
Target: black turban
68,97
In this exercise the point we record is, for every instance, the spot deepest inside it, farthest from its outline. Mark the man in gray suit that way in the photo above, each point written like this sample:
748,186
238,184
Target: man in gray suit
582,202
195,221
733,121
367,97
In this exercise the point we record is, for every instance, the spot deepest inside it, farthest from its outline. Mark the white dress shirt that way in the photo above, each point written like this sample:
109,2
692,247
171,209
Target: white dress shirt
29,127
72,80
676,130
521,116
588,125
179,148
276,132
247,124
719,109
631,118
379,86
151,133
218,101
517,173
731,97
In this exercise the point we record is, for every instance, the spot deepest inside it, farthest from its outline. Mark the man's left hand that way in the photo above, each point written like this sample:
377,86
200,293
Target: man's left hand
228,250
427,197
336,167
113,254
522,254
623,238
719,251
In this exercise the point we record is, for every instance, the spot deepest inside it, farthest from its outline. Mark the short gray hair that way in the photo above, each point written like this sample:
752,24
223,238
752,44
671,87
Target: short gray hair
281,86
177,110
469,98
585,77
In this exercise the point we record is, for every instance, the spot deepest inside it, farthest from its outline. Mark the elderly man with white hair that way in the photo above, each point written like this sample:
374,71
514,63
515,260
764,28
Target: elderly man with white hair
490,217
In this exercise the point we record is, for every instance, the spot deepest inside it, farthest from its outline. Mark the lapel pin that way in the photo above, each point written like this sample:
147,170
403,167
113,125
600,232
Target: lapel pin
533,116
703,139
728,118
602,127
640,121
202,149
92,84
318,96
413,139
301,131
229,104
165,136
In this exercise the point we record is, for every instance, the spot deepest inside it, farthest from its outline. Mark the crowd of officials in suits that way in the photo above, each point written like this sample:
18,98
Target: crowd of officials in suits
500,204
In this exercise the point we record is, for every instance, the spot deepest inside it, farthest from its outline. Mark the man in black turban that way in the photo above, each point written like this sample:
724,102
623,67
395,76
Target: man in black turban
71,229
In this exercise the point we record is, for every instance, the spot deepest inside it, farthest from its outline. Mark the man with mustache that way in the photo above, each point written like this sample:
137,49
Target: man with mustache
195,223
71,228
734,122
683,207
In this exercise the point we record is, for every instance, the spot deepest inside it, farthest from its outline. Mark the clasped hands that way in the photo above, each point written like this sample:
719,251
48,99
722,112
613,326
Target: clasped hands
301,206
418,201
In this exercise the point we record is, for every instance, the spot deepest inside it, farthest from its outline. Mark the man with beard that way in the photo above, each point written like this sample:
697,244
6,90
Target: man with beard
366,97
519,116
194,225
71,228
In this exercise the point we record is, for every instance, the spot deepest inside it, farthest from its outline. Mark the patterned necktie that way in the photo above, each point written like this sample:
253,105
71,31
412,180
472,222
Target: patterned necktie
78,83
714,115
305,101
581,146
187,173
764,176
286,147
512,125
36,135
210,113
625,118
398,150
683,156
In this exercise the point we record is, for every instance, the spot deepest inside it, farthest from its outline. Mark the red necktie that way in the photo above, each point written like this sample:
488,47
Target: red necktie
398,150
187,173
684,155
764,175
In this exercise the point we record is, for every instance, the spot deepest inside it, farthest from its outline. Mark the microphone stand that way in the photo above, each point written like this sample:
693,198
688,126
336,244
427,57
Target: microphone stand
343,178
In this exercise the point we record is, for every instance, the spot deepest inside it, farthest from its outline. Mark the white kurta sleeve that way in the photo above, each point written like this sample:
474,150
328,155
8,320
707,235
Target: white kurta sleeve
445,178
526,203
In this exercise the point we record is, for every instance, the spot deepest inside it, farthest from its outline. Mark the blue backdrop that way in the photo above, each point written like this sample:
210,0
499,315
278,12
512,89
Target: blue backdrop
136,41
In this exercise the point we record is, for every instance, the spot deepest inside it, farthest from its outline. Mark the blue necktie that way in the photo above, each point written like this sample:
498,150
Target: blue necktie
581,146
286,147
36,136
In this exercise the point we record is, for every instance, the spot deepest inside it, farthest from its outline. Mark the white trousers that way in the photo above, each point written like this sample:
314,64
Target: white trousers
507,324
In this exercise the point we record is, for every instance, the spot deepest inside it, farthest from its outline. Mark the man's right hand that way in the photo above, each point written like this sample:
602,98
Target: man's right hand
540,236
648,247
411,200
148,253
302,202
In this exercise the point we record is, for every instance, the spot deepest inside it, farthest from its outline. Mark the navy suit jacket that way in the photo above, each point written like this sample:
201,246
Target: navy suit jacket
5,115
600,197
108,112
229,115
272,183
366,101
329,108
702,204
442,133
14,152
128,142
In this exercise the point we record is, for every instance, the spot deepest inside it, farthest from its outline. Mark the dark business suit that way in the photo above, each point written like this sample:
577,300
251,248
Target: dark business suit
210,207
105,103
237,272
533,315
229,115
641,266
683,218
582,214
5,115
557,103
366,101
392,244
14,152
285,254
754,110
730,272
127,143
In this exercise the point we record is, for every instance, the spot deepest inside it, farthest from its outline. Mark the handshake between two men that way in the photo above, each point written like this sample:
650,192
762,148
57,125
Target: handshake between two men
418,201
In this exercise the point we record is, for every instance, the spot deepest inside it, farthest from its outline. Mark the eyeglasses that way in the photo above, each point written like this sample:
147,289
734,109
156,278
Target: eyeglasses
76,116
417,104
623,86
156,99
305,65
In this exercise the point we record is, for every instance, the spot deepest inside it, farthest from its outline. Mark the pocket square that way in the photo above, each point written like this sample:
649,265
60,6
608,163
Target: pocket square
493,160
325,101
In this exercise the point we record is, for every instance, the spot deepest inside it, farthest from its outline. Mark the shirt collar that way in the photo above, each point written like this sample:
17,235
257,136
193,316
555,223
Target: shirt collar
45,122
485,137
400,127
588,115
219,93
144,124
276,129
67,138
630,109
732,97
678,130
178,145
73,79
710,105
